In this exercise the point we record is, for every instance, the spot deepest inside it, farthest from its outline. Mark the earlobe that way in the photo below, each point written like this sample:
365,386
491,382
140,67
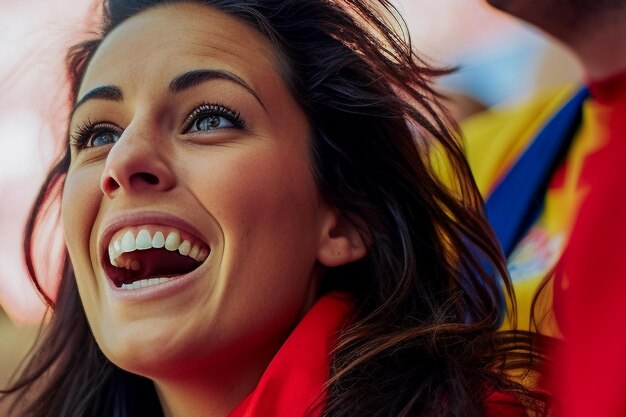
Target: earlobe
340,242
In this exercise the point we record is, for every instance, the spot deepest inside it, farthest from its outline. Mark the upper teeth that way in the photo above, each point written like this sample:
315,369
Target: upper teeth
133,239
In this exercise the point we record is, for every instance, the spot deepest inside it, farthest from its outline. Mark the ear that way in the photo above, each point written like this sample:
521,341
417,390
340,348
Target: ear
340,240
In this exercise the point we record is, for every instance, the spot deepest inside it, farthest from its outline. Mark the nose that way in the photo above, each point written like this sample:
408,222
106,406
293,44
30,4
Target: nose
136,165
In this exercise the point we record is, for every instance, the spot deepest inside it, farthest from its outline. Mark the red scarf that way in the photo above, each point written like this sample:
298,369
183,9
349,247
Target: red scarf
294,380
590,282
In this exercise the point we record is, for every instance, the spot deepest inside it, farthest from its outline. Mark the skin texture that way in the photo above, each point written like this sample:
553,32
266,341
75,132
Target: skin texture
592,29
249,191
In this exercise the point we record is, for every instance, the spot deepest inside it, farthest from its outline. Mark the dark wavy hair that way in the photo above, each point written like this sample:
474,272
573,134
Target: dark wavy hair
429,298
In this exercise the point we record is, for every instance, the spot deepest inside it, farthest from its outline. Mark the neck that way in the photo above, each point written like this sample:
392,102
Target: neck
200,398
600,45
211,390
593,31
595,37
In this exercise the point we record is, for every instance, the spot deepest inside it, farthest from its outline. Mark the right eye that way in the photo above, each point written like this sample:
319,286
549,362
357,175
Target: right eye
92,135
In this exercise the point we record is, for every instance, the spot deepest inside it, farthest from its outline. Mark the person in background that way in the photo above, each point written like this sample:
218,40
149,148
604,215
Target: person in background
552,172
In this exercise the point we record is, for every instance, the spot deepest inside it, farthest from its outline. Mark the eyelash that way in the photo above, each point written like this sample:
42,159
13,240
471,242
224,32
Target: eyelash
86,131
213,109
81,137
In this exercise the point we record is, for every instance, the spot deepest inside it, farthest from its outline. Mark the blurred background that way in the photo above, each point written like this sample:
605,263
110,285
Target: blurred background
501,62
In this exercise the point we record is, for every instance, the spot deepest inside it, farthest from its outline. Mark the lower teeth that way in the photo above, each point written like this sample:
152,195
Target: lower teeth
144,283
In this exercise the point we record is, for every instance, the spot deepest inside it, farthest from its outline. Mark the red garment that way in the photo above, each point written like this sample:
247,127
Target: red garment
295,378
504,405
590,282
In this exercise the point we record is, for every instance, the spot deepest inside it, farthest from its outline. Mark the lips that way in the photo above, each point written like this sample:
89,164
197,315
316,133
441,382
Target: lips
150,249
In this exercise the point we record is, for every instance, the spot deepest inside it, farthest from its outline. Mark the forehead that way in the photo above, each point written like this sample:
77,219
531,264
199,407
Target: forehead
167,40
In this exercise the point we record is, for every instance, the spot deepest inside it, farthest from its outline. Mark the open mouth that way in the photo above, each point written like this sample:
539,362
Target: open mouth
144,256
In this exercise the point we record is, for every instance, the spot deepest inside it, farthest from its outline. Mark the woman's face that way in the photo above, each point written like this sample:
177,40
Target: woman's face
191,215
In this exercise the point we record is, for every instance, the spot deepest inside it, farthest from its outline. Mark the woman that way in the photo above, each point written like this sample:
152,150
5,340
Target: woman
253,227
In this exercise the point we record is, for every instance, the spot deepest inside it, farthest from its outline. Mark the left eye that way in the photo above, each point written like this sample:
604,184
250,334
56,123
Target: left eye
209,122
210,117
103,137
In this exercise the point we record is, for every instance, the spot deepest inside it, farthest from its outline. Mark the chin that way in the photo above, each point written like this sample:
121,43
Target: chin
151,356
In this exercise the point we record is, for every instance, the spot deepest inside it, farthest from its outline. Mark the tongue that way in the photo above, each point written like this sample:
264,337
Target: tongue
160,263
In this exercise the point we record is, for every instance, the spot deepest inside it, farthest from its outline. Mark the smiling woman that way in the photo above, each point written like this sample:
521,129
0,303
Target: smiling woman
253,227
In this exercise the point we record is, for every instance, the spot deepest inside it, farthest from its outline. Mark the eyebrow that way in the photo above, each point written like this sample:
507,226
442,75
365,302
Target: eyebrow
181,82
105,92
193,78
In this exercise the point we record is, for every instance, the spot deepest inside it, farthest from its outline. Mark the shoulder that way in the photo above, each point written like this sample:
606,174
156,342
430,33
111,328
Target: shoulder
495,138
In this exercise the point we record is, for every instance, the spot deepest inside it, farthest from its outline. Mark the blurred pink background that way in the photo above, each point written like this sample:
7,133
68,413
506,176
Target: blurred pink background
36,34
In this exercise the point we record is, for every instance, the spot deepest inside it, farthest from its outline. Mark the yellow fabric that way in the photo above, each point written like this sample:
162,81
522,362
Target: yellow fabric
494,140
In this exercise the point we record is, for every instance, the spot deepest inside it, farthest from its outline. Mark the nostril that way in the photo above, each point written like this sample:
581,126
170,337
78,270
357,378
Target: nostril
148,178
141,179
137,181
109,185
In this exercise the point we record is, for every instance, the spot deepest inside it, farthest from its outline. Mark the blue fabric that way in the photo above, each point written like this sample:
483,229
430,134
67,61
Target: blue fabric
516,201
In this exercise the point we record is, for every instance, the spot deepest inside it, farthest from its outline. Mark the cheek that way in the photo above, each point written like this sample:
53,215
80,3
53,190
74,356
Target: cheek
79,208
266,205
265,201
269,191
